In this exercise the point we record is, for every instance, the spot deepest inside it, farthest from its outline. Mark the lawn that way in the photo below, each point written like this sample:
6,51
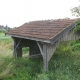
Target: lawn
2,34
64,64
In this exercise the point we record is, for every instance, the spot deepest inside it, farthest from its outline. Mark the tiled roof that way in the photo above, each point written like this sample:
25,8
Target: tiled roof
46,29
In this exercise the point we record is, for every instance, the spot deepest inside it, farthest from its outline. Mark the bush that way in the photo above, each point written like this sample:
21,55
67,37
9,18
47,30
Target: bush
25,50
77,26
43,77
62,49
75,45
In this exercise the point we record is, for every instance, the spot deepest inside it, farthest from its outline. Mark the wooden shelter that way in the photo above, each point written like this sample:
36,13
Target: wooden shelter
42,37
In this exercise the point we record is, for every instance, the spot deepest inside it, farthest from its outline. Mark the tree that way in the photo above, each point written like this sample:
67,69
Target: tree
76,11
7,27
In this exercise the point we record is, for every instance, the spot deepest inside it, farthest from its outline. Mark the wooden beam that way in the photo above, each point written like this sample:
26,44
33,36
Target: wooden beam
18,43
14,47
45,62
29,38
40,47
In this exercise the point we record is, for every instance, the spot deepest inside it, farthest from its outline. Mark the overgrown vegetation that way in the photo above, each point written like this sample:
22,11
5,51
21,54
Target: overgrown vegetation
77,26
64,65
2,31
2,34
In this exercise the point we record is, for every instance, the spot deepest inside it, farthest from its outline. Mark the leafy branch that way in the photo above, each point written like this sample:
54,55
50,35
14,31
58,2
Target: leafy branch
77,26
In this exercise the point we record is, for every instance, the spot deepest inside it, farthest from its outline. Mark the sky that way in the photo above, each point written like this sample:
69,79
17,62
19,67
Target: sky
16,12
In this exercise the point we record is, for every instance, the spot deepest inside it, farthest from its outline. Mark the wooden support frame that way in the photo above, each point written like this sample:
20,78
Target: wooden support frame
17,50
40,47
47,50
43,50
18,43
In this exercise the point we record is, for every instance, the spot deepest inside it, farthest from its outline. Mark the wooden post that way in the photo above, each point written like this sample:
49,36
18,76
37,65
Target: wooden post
45,57
30,51
19,52
14,48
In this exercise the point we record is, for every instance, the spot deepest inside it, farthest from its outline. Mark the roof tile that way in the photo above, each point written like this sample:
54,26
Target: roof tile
45,29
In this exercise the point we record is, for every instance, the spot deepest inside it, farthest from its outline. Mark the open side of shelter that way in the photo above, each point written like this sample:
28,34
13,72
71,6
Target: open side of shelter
44,43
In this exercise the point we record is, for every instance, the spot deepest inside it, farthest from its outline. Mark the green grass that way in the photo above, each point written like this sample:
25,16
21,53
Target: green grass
2,34
64,64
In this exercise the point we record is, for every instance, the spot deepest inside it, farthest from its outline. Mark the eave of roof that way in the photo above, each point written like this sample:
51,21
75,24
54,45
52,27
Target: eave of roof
36,39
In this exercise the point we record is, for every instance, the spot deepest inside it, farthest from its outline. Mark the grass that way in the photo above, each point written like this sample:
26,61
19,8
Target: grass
64,64
2,34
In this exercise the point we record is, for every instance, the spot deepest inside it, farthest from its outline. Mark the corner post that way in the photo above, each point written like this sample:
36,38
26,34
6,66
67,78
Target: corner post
17,50
14,47
45,61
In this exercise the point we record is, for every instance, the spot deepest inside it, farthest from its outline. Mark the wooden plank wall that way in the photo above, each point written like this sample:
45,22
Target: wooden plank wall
51,49
70,36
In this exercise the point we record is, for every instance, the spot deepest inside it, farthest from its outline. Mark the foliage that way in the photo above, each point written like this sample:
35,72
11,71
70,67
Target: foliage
64,65
43,76
25,49
76,11
77,26
66,50
75,45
